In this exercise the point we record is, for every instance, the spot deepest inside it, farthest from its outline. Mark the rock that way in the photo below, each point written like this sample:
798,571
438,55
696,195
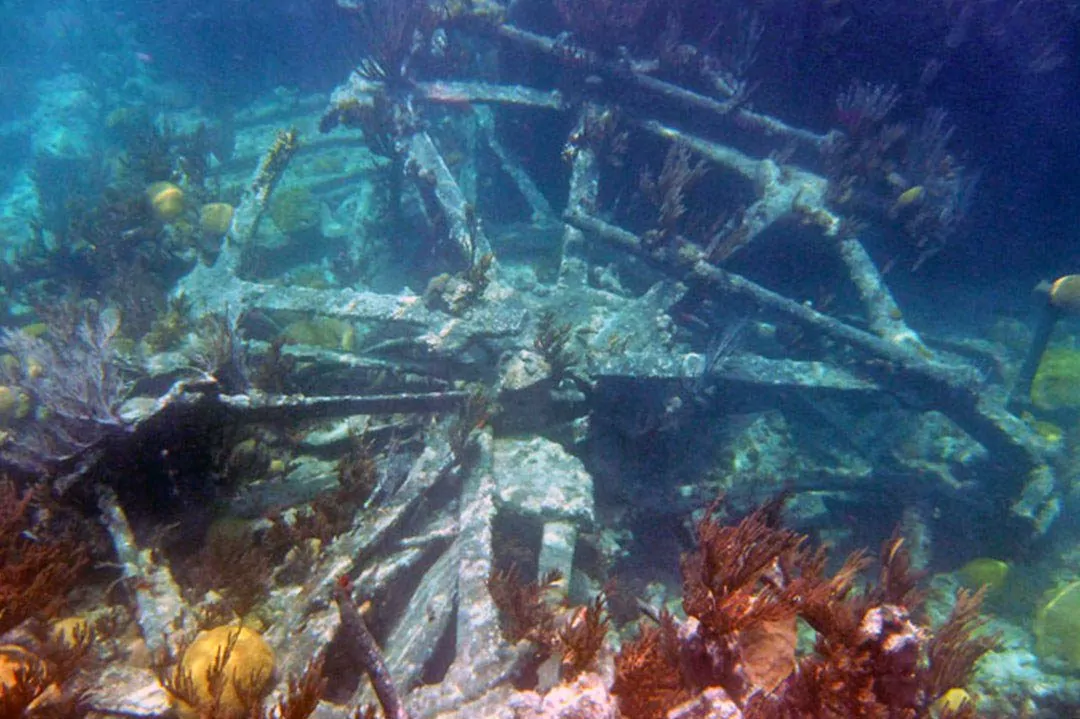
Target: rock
538,478
522,369
586,698
710,704
129,692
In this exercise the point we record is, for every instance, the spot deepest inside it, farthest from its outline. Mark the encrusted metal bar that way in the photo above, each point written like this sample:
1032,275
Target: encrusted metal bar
453,93
253,203
210,288
541,208
164,618
742,369
882,311
584,187
620,72
463,225
306,623
267,408
483,660
361,647
955,391
797,191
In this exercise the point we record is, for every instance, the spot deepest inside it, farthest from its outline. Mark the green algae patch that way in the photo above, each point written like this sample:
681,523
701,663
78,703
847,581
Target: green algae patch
1057,628
1057,381
294,210
984,572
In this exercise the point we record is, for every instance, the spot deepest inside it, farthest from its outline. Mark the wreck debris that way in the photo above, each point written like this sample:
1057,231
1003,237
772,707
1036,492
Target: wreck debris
463,226
166,621
365,652
803,193
538,480
954,390
582,197
246,217
678,96
429,541
541,208
481,93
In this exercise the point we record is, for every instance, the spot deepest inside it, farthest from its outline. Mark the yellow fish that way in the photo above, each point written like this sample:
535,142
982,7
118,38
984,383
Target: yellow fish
909,197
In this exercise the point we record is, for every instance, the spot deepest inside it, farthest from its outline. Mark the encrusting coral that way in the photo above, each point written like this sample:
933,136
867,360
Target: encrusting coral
743,589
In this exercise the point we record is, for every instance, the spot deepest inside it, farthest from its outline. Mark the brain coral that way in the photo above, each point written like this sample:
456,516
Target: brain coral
248,671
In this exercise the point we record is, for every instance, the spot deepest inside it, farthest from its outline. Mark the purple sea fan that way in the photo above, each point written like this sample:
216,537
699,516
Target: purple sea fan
73,383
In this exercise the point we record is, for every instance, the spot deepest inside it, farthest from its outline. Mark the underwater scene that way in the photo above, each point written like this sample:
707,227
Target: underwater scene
539,359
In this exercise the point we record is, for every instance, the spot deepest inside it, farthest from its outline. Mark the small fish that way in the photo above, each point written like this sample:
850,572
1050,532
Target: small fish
144,57
908,198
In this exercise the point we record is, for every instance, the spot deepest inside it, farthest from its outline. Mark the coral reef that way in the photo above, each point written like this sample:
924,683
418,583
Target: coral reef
40,680
1057,380
74,380
563,423
744,587
224,673
38,565
1056,639
294,210
215,219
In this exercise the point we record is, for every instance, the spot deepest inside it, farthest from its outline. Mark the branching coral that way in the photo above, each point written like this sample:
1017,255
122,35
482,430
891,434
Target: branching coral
667,192
745,586
303,694
896,171
528,612
24,680
863,106
552,341
581,638
219,351
524,610
957,645
234,562
37,567
394,33
648,679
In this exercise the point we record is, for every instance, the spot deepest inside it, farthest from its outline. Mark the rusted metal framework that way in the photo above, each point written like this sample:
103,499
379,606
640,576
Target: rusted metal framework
445,558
